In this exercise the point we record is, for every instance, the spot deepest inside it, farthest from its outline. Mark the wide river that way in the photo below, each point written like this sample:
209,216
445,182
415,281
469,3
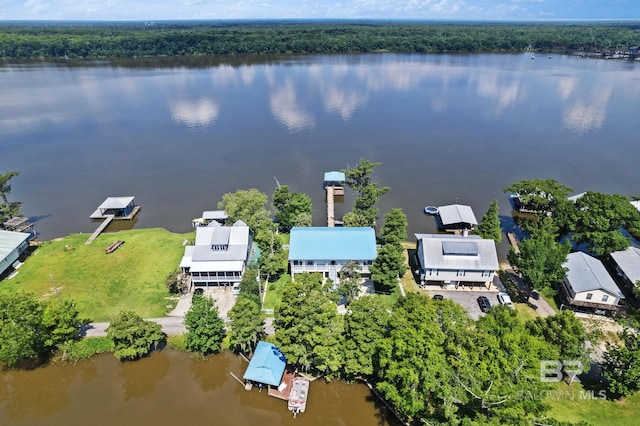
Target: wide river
179,133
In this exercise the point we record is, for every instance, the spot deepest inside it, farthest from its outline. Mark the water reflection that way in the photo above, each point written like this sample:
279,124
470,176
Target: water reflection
139,379
589,111
287,109
194,113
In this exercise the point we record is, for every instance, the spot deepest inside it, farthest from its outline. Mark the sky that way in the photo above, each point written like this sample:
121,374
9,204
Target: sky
145,10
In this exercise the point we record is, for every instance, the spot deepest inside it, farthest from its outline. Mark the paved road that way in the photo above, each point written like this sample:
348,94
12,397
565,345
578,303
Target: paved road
170,325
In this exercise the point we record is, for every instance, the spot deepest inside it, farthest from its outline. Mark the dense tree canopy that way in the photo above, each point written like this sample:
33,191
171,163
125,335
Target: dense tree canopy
8,209
540,195
292,208
364,212
205,328
490,223
308,327
622,364
394,228
134,337
30,327
600,218
541,257
135,39
247,324
248,206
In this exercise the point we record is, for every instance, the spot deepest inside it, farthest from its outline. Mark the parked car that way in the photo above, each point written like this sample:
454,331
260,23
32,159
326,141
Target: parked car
504,299
484,304
438,297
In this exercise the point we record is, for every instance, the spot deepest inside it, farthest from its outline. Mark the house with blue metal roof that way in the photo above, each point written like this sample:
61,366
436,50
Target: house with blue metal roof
266,366
589,285
326,250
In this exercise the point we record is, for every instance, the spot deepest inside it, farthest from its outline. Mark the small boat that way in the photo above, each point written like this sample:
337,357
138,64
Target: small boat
298,396
431,210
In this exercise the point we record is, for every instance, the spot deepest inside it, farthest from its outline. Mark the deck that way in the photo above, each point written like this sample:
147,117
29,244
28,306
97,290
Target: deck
287,378
513,241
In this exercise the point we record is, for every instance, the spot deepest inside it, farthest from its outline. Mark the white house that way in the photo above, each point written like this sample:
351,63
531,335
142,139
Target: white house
628,264
326,250
588,284
219,256
456,259
12,245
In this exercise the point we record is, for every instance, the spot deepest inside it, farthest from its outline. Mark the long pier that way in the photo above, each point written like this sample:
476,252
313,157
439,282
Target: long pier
332,191
102,227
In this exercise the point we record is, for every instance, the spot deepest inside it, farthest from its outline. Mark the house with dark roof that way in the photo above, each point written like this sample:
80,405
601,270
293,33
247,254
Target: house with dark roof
588,285
457,216
12,245
628,264
220,254
454,260
326,250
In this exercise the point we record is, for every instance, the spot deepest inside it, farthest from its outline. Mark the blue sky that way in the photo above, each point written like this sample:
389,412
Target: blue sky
318,9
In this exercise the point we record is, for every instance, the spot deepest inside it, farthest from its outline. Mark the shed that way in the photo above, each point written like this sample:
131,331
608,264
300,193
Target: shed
266,366
12,245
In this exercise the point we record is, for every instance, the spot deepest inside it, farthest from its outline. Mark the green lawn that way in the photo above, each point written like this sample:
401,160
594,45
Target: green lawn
571,403
131,278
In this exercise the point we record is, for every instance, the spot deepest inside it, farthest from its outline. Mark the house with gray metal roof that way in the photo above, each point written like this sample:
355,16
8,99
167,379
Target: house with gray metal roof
628,264
446,259
220,254
326,250
457,216
588,284
12,245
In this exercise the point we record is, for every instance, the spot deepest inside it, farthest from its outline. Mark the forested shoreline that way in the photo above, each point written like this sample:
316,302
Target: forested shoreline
34,40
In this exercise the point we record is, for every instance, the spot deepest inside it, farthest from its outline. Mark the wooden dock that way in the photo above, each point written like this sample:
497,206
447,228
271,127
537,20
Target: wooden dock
331,213
332,192
101,228
513,241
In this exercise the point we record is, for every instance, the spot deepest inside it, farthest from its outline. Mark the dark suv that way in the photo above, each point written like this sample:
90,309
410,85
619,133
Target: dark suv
484,304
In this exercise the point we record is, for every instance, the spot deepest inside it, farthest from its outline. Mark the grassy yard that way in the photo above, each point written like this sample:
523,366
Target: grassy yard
131,278
571,403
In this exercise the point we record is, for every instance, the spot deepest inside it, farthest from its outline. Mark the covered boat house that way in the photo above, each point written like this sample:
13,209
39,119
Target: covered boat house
118,207
457,217
266,366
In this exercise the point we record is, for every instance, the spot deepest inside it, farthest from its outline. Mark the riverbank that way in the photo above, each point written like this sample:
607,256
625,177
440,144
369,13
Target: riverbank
101,285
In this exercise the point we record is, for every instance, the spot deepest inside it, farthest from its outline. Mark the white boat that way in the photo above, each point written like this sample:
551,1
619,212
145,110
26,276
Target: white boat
431,210
298,396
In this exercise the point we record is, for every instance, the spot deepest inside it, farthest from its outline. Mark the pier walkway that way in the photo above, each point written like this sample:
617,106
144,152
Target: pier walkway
331,218
102,227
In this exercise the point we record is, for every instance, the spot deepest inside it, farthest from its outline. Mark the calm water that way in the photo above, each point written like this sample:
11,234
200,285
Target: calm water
180,133
170,388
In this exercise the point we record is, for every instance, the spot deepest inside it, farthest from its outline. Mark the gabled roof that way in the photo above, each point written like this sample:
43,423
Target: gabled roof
586,273
226,245
267,365
470,253
320,243
9,241
456,213
116,203
629,262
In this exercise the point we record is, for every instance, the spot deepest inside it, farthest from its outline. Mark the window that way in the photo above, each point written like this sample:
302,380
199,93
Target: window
605,298
309,262
589,296
461,272
486,273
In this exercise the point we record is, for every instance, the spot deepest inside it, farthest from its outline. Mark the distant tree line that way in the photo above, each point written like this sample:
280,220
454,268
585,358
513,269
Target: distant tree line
106,40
